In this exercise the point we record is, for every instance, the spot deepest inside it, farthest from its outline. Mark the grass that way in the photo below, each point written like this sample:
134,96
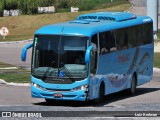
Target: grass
156,60
3,65
112,4
14,75
18,76
158,34
23,27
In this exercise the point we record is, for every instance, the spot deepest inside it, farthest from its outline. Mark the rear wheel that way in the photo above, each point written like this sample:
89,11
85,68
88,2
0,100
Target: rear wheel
133,85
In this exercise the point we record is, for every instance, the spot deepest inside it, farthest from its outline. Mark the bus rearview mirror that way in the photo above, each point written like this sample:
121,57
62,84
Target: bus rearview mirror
88,53
24,52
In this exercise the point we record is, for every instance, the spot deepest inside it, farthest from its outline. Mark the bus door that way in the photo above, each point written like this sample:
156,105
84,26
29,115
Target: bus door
93,92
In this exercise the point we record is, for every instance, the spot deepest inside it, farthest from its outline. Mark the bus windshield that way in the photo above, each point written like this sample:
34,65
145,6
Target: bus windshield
59,56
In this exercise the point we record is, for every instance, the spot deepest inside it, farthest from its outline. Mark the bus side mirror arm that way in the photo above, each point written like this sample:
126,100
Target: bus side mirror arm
24,51
88,53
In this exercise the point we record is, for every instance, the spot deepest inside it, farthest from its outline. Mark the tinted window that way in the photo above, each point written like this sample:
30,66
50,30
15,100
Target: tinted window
125,38
134,36
107,42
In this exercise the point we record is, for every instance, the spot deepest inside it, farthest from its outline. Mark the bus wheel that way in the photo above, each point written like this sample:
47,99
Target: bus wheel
133,85
101,94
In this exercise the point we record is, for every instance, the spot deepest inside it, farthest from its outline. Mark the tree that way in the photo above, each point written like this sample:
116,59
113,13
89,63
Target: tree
10,4
1,8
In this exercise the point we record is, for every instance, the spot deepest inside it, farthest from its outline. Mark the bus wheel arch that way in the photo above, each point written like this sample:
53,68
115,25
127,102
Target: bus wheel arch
101,93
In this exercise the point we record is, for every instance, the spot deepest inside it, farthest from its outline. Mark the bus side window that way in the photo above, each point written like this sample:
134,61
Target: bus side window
147,31
131,38
113,44
94,53
139,35
104,47
122,39
107,42
125,40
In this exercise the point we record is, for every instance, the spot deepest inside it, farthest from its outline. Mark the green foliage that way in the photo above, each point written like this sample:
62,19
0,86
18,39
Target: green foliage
14,75
31,6
158,34
156,60
28,6
17,77
89,4
10,4
1,8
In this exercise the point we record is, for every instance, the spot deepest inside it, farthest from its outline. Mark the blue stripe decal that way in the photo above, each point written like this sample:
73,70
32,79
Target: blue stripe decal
121,81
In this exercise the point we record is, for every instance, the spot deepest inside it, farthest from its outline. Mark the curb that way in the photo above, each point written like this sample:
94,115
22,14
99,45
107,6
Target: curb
9,68
16,41
19,84
3,82
156,70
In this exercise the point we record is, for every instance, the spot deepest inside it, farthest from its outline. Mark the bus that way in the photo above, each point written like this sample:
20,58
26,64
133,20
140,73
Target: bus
92,56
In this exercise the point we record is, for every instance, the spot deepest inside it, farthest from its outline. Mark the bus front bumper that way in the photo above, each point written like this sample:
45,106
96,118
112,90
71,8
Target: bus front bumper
79,95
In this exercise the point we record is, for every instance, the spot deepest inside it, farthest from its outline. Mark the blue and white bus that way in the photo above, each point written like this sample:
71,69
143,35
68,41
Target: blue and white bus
92,56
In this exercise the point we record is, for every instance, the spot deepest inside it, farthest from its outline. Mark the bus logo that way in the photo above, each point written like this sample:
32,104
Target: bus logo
123,57
61,74
6,114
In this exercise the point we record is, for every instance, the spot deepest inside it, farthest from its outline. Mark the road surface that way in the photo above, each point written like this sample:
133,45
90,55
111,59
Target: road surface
147,98
10,53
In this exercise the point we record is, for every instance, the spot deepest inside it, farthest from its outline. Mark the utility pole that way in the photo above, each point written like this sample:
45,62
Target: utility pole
152,11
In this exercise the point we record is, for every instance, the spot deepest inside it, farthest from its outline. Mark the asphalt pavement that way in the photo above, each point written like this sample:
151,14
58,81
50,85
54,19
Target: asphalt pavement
10,52
114,107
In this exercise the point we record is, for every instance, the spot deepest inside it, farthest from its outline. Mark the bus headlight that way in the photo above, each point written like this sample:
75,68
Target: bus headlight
37,86
83,87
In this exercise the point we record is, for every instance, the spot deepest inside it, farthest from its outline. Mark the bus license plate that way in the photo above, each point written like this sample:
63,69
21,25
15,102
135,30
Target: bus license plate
58,95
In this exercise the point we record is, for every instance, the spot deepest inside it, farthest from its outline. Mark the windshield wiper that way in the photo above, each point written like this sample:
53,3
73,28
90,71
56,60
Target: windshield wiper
67,73
45,73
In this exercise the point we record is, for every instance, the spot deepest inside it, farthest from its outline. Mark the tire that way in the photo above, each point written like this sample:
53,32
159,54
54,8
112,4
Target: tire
133,85
101,95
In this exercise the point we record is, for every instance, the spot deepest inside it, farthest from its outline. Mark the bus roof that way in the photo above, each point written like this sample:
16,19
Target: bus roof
89,24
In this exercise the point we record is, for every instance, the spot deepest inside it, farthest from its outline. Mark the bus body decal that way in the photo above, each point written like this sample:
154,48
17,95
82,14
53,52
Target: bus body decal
120,81
141,69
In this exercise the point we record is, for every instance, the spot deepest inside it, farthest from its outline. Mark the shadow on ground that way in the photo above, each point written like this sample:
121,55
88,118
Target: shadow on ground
107,99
